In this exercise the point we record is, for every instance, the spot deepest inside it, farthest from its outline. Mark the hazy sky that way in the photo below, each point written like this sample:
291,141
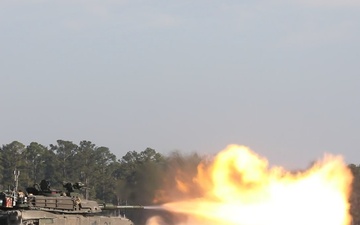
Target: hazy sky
280,76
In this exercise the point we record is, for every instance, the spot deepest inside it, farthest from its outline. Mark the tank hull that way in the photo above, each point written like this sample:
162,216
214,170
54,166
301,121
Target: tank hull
39,217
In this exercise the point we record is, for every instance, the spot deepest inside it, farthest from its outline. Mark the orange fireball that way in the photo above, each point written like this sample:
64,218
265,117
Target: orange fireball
239,188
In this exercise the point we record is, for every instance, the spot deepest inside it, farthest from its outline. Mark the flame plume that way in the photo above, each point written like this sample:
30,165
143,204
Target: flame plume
239,188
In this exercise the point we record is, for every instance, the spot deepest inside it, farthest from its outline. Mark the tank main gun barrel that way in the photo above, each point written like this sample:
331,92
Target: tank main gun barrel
111,206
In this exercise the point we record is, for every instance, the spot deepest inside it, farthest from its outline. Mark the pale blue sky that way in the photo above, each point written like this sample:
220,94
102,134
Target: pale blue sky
281,77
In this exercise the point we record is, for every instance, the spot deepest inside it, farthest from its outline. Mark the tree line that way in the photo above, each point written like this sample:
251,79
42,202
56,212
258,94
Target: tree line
136,178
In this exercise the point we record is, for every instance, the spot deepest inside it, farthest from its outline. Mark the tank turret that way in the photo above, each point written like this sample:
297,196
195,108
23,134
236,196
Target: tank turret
40,205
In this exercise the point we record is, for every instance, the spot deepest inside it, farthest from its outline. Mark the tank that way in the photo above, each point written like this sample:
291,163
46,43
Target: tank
42,205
